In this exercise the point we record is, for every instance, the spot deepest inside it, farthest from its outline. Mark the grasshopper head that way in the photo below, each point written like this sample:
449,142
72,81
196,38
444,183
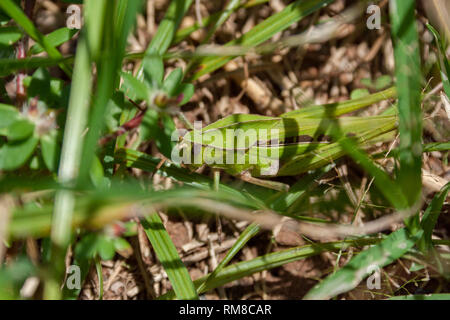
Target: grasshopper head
187,151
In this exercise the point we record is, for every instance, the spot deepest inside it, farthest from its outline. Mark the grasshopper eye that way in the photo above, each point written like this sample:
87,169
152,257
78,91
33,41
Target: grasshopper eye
324,138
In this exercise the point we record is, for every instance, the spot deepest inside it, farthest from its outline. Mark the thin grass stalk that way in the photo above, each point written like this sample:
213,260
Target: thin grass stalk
69,164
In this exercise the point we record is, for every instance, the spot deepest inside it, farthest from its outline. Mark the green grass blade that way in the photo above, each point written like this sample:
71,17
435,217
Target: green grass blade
340,108
251,231
166,30
168,26
182,34
69,163
98,269
429,147
431,216
95,16
408,74
75,125
21,19
272,260
168,256
8,66
109,204
348,277
56,38
283,202
444,64
436,146
384,183
119,21
263,32
9,35
232,6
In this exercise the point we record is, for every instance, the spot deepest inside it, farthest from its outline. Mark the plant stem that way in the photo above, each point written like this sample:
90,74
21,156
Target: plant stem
69,164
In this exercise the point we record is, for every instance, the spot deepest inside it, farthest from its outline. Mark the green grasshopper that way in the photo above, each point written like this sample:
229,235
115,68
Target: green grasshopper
253,146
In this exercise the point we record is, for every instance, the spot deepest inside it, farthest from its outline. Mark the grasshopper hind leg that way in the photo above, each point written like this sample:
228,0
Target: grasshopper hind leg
275,185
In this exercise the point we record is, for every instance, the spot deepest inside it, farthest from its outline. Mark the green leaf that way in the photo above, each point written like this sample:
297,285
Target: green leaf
149,127
105,247
163,137
120,244
168,256
133,88
163,38
50,91
9,65
86,248
116,105
172,82
14,154
8,115
158,127
51,150
187,90
94,244
153,71
359,267
9,36
56,38
168,26
19,130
